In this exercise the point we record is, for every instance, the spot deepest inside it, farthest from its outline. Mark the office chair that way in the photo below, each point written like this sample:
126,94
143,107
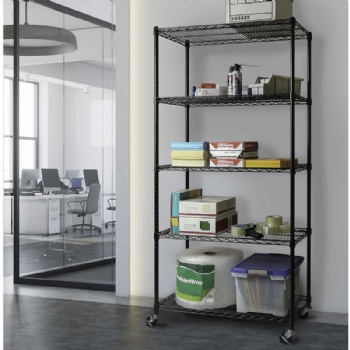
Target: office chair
113,208
87,206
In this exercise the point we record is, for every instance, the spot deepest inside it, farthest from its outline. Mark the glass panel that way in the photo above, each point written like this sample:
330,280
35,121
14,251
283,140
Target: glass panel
27,109
27,149
74,140
8,159
7,106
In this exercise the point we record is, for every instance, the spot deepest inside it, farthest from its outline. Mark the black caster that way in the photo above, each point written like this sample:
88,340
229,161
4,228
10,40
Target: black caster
303,314
151,321
106,225
286,337
99,231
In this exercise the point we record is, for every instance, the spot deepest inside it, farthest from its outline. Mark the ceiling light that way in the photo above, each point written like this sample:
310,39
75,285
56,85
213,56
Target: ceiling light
39,40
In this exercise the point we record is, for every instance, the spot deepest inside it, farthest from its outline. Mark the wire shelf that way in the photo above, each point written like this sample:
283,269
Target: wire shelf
232,33
169,304
225,100
168,167
279,239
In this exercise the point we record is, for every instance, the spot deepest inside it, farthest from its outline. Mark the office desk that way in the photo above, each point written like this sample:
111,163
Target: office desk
45,214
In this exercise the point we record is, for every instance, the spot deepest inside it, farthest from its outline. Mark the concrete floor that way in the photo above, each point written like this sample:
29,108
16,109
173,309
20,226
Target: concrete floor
66,319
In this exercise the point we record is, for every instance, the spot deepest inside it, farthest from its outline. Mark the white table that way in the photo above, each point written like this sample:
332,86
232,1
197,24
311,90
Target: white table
46,214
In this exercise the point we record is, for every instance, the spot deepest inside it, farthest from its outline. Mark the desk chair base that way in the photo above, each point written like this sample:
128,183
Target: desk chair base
74,227
110,222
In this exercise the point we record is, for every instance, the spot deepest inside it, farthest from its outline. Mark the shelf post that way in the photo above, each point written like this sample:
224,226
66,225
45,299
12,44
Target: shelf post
187,116
156,171
309,167
292,168
16,206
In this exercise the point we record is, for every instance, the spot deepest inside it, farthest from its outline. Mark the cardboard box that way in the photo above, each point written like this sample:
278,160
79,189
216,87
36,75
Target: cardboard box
207,225
254,10
234,146
206,205
227,162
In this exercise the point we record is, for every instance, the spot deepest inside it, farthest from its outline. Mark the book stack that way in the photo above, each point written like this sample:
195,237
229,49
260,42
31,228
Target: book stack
190,154
231,153
175,198
207,215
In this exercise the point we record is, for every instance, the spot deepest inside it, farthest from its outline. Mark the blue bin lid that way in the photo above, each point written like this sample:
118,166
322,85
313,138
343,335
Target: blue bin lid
274,264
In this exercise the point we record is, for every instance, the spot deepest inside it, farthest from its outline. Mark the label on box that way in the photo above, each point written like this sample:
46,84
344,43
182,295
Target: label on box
194,282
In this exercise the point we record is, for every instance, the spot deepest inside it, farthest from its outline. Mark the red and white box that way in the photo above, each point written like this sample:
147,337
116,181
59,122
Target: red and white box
234,146
227,163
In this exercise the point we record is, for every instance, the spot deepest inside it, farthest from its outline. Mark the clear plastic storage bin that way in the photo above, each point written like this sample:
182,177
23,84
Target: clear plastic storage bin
263,283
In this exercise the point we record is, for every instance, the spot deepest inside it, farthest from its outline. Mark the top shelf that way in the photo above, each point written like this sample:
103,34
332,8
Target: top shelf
231,33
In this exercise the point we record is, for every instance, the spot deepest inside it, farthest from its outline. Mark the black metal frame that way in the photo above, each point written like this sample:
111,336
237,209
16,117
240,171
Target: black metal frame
31,279
280,30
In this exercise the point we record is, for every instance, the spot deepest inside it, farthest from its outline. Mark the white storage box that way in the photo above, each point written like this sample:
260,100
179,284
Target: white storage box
257,10
274,85
263,283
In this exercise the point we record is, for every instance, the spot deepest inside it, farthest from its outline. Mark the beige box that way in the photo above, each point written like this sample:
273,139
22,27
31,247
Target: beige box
275,85
208,225
206,205
258,10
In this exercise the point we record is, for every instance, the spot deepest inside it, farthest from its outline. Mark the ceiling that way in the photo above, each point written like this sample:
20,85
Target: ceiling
94,42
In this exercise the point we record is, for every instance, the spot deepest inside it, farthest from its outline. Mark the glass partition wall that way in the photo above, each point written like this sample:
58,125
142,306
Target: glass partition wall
59,121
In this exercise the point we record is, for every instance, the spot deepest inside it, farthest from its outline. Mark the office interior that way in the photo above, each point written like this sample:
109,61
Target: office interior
65,145
66,140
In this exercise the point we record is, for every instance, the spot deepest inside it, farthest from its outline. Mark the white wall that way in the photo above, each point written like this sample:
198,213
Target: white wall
257,195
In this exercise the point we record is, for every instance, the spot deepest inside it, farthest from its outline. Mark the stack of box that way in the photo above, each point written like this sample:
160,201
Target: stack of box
190,154
176,196
207,215
232,153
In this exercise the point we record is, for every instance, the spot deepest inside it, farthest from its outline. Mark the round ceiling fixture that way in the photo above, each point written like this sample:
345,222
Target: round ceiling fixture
39,40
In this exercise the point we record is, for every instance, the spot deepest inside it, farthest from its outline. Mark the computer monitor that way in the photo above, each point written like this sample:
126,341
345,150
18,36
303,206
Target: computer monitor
72,174
90,177
29,179
51,180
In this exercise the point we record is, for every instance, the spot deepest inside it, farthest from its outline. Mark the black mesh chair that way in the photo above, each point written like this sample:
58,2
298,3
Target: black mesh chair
87,206
111,206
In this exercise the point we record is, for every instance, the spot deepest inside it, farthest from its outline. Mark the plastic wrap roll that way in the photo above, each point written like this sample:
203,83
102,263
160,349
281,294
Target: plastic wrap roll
285,228
274,220
203,278
270,230
259,226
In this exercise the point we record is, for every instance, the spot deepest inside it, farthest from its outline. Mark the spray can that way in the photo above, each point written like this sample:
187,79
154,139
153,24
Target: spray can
234,81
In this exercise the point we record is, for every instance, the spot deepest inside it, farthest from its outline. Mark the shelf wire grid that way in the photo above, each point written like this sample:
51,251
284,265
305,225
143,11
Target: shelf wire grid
233,33
225,100
168,167
282,239
169,304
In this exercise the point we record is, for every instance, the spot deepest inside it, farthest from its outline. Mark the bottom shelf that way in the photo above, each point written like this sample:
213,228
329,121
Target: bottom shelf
169,304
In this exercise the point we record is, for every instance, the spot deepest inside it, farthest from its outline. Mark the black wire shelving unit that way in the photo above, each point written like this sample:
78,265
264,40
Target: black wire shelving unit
238,33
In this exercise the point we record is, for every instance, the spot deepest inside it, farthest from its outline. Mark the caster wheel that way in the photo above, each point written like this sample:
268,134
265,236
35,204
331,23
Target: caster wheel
106,225
99,231
151,321
303,314
73,228
286,337
66,231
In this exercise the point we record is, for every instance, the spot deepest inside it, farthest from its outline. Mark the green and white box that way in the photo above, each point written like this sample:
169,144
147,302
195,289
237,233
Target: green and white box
207,225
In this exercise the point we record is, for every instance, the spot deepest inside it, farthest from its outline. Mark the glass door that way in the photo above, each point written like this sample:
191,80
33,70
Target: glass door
60,164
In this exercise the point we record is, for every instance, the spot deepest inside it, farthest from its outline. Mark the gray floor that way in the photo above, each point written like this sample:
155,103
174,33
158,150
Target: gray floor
51,318
57,318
